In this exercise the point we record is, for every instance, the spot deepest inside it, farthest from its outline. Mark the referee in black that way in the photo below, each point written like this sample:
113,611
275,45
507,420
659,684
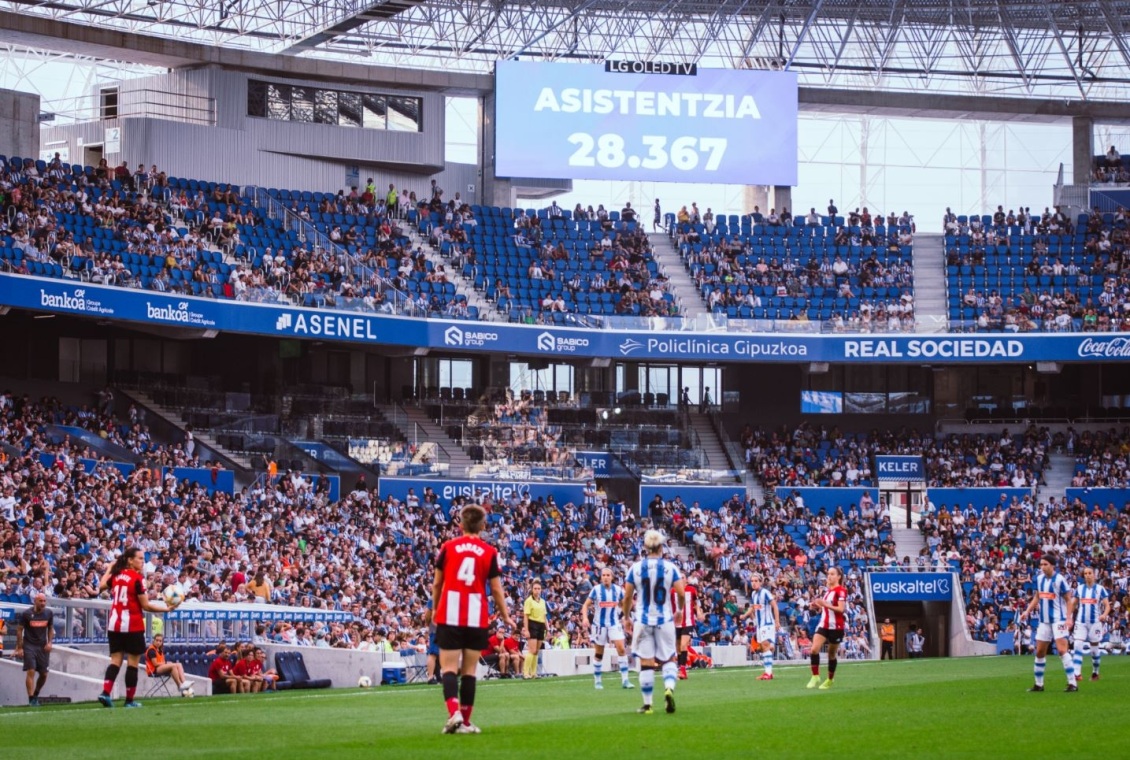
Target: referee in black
34,633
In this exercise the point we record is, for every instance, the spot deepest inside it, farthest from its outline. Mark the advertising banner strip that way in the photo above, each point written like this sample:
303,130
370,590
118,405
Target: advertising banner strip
911,587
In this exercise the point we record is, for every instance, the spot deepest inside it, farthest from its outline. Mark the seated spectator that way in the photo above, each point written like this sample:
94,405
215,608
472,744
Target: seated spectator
156,665
222,674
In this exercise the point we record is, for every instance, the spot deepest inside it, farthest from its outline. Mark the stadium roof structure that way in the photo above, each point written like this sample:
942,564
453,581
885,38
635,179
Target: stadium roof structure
1075,50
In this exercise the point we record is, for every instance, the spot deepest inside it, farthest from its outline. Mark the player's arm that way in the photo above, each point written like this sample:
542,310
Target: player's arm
776,613
500,600
104,581
148,606
838,607
746,614
50,635
1105,614
437,589
680,588
626,605
585,611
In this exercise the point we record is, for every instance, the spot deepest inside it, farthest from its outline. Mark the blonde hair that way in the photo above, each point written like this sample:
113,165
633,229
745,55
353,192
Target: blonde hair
652,540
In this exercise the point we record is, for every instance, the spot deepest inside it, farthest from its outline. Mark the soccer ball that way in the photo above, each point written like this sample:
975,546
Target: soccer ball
364,682
173,594
188,693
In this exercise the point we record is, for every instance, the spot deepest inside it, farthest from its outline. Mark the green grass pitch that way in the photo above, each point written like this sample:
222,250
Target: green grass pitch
927,708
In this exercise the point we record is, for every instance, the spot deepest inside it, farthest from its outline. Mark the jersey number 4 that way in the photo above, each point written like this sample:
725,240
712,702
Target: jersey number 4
466,572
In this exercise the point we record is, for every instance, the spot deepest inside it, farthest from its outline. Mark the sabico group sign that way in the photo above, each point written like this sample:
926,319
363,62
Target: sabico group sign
911,587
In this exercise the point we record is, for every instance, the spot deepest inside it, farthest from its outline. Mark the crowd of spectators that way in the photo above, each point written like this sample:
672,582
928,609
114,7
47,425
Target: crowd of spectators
810,455
1109,168
514,428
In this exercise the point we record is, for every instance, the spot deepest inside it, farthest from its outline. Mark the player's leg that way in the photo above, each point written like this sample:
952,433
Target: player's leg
43,667
29,673
1081,646
684,641
1096,647
1065,657
132,659
767,660
1041,661
833,661
624,659
643,645
598,666
814,660
111,676
449,660
467,686
666,652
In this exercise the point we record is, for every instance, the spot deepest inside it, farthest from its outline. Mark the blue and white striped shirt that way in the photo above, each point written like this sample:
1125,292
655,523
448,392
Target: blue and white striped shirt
653,578
762,602
1053,593
606,602
1090,602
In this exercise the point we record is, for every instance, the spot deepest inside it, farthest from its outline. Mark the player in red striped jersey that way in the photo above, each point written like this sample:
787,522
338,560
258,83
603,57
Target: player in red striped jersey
831,627
689,613
465,567
126,625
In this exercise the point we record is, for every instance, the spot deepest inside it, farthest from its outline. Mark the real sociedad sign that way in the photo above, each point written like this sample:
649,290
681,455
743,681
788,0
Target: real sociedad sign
911,587
285,320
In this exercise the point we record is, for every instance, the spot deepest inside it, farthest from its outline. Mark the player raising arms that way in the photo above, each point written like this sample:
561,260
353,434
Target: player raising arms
126,626
763,610
651,622
1055,602
689,613
830,629
465,566
606,626
1092,604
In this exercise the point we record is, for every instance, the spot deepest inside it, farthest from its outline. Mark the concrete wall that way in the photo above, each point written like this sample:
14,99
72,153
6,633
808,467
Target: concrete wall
19,124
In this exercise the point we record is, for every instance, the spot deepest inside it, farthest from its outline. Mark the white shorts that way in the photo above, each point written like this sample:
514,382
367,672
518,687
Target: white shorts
607,634
1052,631
1092,632
767,633
654,642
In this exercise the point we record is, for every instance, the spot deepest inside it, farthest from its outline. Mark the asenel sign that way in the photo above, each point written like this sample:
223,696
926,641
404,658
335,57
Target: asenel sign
911,587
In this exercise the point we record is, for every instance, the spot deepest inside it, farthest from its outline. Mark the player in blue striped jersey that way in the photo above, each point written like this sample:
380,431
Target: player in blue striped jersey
1054,602
651,621
767,619
606,601
1092,605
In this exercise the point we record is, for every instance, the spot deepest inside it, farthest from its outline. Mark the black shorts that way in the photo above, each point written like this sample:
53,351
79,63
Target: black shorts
831,635
36,658
683,630
130,643
537,630
453,637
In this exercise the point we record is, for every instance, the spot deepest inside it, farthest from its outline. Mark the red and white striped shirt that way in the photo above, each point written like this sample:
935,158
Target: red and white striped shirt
126,590
467,563
830,619
686,617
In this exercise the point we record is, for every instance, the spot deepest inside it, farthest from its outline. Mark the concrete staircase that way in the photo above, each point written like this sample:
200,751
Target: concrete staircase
908,542
678,278
930,282
420,429
712,448
172,417
1057,476
463,286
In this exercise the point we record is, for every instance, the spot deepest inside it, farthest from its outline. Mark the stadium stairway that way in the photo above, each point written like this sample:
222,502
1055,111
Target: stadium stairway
711,446
1057,475
237,462
930,282
416,427
678,277
463,285
908,542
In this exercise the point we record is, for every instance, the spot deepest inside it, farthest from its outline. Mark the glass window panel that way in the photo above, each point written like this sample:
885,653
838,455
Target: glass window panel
349,109
325,107
278,101
374,111
256,98
404,114
302,104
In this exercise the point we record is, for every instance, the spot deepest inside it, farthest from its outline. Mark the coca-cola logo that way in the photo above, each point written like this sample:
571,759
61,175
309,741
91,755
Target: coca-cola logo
1105,348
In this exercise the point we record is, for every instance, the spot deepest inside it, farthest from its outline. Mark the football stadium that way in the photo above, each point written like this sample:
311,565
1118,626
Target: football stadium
648,378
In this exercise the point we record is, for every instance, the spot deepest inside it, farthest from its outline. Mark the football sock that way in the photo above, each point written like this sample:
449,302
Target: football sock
670,675
767,661
814,661
131,682
1082,648
451,692
1096,656
1041,663
624,669
1068,666
682,659
467,697
832,662
597,667
111,676
647,683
